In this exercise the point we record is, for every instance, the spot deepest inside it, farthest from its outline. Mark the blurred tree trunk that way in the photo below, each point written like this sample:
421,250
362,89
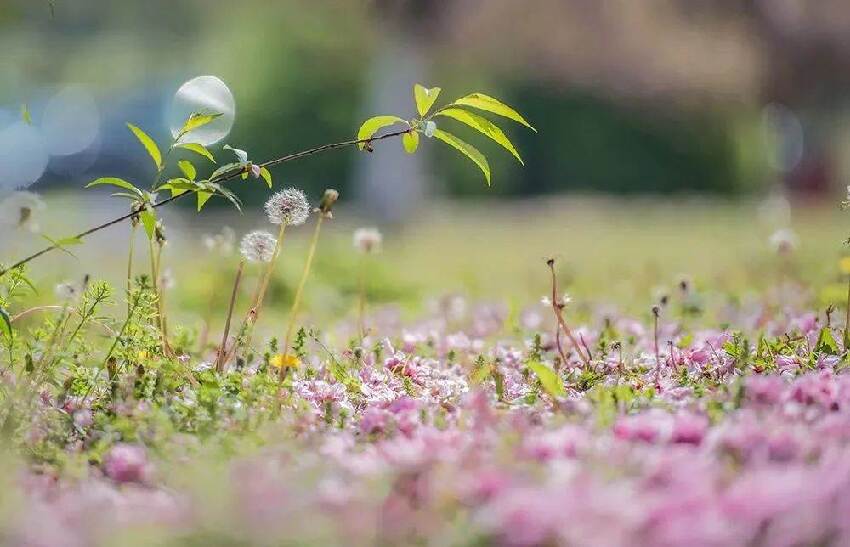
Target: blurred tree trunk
390,183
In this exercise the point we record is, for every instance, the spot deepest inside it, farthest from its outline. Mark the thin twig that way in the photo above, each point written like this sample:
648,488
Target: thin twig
221,178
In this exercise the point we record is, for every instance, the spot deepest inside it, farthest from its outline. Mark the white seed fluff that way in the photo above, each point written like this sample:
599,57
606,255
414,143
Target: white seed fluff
289,206
367,240
257,246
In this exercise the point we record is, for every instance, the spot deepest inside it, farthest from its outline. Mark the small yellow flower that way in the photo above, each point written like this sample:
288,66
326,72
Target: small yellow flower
143,355
844,265
279,360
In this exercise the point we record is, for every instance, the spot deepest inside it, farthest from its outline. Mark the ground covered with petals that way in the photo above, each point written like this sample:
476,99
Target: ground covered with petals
463,427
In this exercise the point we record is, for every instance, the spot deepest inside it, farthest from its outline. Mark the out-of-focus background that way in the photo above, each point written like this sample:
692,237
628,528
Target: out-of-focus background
671,132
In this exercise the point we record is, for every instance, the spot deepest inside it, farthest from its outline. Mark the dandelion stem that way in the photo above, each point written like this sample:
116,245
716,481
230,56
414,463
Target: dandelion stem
296,301
219,365
656,311
361,303
166,349
133,227
253,314
231,174
847,318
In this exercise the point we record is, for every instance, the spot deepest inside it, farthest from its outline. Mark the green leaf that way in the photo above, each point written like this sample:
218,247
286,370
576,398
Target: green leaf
466,149
227,194
410,142
549,379
826,342
267,176
25,114
199,149
114,181
425,98
5,323
203,198
188,169
178,186
64,242
195,121
148,218
489,104
483,125
149,145
227,169
372,125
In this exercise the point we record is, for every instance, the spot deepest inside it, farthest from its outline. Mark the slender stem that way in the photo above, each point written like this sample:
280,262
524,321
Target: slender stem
361,302
161,300
166,349
133,227
250,319
655,314
219,179
219,365
847,318
296,301
254,312
557,309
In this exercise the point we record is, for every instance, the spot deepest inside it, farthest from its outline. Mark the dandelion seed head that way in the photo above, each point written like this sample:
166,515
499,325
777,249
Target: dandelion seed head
257,246
67,290
221,243
167,280
289,207
784,241
368,240
21,210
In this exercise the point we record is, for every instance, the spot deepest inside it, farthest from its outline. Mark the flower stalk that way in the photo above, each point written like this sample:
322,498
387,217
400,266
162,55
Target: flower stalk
219,365
324,210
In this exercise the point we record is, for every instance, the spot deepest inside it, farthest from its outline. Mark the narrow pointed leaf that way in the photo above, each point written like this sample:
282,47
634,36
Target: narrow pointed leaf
425,98
114,181
199,149
549,379
227,169
5,323
410,142
267,176
483,125
188,169
178,186
467,150
149,145
62,243
203,198
240,154
148,218
195,121
372,125
489,104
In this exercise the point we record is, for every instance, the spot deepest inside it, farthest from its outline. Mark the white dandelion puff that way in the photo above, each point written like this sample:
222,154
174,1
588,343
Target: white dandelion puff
784,241
67,290
21,210
368,240
258,246
289,206
221,243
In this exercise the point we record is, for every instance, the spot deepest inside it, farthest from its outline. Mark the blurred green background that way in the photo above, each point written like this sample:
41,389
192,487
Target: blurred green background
675,137
687,96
